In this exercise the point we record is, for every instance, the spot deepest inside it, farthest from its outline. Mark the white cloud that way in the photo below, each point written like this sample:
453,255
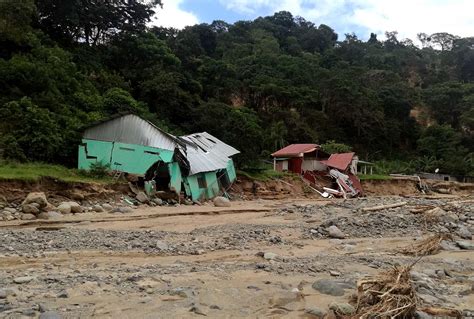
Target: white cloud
173,16
408,17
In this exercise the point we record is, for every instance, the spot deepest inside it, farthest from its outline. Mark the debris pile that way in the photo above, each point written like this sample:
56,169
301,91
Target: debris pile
429,246
390,294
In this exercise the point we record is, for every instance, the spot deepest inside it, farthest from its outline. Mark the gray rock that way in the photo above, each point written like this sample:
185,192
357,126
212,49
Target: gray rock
30,209
3,294
36,197
124,209
23,280
50,315
197,311
75,208
64,208
220,201
335,232
107,207
50,215
28,217
464,233
63,294
342,308
157,201
162,245
142,197
464,244
98,209
447,245
270,256
315,312
422,315
335,241
10,209
328,287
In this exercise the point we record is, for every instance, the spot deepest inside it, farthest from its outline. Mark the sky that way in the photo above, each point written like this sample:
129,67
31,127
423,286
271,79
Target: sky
408,17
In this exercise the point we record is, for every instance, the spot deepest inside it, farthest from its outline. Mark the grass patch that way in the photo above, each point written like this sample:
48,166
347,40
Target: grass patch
264,174
34,171
374,177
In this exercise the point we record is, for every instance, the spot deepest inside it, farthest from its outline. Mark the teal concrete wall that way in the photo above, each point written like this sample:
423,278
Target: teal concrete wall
176,178
231,171
212,189
130,158
191,186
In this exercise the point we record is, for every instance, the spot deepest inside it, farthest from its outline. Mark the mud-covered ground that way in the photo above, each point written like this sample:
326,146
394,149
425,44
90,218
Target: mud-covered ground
261,258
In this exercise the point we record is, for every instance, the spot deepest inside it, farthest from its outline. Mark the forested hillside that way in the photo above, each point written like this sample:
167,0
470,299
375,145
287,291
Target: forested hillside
257,85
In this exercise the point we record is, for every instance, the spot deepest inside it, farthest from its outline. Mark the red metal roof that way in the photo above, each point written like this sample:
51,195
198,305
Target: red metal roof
295,150
340,161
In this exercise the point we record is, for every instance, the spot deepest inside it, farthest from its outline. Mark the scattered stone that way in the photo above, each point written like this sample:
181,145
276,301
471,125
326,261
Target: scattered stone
30,209
422,315
215,307
220,201
98,209
50,315
10,209
28,217
3,294
334,273
335,232
63,294
123,210
23,280
315,312
142,197
342,308
161,245
107,207
464,233
270,256
36,197
328,287
75,208
464,244
157,201
50,215
197,311
447,245
64,208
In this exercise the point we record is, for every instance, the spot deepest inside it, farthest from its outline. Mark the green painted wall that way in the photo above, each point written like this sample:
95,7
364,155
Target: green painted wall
231,171
212,189
176,179
130,158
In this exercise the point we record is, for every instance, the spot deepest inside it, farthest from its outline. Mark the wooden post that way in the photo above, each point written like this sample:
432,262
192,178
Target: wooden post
274,163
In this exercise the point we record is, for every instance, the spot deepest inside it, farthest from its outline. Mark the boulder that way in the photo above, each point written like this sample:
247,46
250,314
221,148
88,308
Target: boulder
342,308
220,201
107,207
335,232
142,197
98,209
64,208
36,197
328,287
315,312
23,280
464,233
270,256
50,315
464,244
75,207
28,217
50,215
30,209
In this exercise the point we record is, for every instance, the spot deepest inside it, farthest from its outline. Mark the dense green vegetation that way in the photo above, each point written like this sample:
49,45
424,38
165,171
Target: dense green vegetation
258,85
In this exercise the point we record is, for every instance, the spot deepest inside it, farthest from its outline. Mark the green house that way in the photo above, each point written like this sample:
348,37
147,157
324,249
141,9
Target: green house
198,164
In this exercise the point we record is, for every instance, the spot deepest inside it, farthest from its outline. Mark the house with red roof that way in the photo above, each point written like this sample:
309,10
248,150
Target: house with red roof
298,158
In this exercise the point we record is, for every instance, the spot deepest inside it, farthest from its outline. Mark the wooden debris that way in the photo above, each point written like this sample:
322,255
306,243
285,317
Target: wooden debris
374,208
428,246
387,295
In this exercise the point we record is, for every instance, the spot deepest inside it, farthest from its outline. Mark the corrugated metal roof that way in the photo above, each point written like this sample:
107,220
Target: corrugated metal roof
340,161
131,129
295,149
207,153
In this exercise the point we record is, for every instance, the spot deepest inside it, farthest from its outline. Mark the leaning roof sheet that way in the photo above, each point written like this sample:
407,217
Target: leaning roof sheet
340,161
207,153
131,129
295,150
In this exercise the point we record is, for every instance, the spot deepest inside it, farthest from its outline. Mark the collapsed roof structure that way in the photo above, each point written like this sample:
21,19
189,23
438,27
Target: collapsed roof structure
199,163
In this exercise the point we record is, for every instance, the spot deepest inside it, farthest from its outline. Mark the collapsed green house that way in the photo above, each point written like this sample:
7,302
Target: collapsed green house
199,164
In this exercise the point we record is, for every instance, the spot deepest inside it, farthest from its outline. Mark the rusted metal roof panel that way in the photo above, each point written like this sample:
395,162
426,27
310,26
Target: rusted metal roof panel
295,150
340,161
207,153
131,129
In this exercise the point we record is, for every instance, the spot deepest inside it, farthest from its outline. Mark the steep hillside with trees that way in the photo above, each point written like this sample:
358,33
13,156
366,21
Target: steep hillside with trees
257,85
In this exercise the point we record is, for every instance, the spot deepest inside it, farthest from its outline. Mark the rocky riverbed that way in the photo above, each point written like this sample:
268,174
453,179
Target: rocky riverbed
287,258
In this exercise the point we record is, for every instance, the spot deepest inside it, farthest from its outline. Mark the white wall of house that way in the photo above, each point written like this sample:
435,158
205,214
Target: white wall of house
313,165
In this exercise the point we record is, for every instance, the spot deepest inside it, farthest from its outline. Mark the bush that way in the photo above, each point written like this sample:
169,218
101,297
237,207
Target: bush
98,170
